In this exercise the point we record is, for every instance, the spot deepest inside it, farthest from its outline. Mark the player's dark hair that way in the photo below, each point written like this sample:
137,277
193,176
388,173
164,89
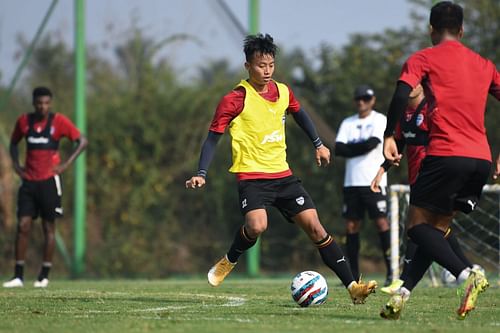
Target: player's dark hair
41,91
260,44
447,16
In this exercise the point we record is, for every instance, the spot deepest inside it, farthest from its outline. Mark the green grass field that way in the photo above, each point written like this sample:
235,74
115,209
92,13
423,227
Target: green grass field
237,306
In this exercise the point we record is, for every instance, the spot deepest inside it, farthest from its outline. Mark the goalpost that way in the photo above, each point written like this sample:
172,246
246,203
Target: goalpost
477,232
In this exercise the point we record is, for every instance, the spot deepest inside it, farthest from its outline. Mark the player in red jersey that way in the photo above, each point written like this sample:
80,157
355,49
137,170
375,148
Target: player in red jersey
458,161
40,192
255,112
412,134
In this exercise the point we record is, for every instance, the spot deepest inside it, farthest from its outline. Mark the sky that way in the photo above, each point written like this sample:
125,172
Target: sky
292,23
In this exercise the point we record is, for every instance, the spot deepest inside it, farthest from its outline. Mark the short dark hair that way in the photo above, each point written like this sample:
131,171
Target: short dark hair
263,44
447,16
41,91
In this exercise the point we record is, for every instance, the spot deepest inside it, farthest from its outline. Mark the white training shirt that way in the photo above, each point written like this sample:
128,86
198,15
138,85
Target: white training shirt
360,170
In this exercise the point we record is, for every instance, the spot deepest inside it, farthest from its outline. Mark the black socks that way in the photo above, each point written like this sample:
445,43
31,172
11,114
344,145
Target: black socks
352,251
241,243
431,243
334,258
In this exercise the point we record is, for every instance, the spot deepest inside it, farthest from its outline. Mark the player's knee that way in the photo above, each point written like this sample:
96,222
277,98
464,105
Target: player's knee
382,224
50,235
24,227
352,227
255,228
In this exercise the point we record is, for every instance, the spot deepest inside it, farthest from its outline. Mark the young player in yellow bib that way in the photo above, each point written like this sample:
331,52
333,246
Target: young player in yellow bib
255,112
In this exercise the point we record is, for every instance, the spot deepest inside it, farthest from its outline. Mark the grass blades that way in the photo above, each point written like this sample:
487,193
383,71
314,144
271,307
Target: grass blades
263,305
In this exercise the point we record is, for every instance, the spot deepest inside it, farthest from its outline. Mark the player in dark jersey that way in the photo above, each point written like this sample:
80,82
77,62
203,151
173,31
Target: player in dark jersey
255,114
40,192
412,135
458,161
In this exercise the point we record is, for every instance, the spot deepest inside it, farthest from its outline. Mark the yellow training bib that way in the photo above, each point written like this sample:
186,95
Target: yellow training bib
258,132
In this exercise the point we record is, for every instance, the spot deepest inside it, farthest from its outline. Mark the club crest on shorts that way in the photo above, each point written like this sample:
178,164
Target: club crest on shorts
382,206
300,201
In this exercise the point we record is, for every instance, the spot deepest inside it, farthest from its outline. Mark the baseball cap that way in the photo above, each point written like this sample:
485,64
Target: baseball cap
363,90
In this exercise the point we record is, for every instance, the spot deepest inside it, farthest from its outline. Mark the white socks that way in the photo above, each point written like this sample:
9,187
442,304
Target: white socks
463,275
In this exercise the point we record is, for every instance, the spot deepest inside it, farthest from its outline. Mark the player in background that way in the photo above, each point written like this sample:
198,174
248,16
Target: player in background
41,191
456,81
412,134
255,112
359,140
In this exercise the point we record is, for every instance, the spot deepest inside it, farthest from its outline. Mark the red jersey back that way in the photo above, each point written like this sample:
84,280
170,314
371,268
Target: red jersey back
40,163
457,81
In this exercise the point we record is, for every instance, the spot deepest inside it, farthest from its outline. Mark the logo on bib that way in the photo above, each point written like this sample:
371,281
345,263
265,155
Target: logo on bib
273,137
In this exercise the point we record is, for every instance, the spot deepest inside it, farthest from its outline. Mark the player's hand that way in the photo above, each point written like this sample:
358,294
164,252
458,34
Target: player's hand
496,172
391,151
375,185
322,156
21,171
195,182
59,169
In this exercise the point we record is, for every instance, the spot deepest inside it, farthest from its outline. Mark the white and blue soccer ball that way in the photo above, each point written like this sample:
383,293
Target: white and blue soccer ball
309,288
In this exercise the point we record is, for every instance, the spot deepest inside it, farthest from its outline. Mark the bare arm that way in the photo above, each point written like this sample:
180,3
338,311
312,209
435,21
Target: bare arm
82,143
14,155
496,172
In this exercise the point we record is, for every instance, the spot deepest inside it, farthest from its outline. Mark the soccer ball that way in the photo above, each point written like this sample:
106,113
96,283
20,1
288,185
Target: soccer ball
309,288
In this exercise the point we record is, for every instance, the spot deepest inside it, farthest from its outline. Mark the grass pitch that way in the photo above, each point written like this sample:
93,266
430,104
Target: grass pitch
262,305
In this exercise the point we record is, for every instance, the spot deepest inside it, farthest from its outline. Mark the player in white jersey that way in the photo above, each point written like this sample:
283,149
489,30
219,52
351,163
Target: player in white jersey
359,140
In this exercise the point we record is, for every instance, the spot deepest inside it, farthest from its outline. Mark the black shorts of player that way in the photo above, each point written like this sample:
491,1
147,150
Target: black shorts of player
358,199
286,194
448,183
40,198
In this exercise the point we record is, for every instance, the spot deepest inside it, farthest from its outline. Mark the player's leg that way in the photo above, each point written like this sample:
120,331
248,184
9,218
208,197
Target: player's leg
428,233
332,255
466,201
21,245
455,245
328,248
443,185
376,205
49,233
296,205
50,199
246,236
254,195
410,250
352,245
353,212
26,210
384,234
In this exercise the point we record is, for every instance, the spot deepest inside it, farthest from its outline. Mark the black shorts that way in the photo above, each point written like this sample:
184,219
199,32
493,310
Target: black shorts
358,199
287,194
40,198
448,183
